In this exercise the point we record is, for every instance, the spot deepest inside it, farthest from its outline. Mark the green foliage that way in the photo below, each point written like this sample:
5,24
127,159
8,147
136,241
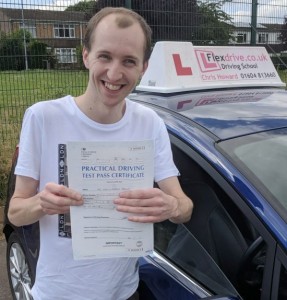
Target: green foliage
169,20
214,25
4,174
79,51
84,6
283,34
188,20
39,57
12,52
280,61
20,34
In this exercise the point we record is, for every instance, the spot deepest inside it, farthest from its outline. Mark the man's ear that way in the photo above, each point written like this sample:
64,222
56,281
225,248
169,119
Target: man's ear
145,65
85,54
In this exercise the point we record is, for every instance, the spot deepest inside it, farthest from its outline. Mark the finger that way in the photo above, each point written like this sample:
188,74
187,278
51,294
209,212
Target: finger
141,198
50,201
63,191
146,219
140,193
142,210
130,202
61,210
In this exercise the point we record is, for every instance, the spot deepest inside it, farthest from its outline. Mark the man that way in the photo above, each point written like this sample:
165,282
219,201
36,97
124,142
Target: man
116,51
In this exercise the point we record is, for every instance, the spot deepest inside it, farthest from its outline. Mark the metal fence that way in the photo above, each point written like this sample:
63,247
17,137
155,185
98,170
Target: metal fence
40,45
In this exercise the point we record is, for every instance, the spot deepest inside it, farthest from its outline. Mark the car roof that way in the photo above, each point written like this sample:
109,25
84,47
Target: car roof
226,113
227,91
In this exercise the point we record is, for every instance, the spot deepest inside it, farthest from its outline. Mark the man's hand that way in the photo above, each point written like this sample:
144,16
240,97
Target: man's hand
28,206
149,205
57,199
156,205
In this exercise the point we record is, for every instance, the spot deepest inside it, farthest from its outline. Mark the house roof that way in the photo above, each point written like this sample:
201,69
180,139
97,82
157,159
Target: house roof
260,26
246,25
47,15
273,26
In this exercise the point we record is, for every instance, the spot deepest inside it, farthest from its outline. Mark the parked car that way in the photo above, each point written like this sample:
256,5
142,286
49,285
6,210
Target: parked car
225,109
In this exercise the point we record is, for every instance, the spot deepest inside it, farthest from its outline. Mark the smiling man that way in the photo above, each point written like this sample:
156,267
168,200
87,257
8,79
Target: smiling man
116,51
114,56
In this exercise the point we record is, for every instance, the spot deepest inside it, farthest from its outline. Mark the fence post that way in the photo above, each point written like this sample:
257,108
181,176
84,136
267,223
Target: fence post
253,22
24,38
128,4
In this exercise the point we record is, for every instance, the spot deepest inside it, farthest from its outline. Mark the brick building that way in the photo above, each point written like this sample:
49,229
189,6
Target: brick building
62,31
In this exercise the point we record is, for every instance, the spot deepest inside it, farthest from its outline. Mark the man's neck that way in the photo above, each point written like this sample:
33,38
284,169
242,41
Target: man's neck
99,112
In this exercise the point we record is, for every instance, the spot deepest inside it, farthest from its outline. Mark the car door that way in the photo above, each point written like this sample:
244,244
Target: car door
279,286
222,222
180,268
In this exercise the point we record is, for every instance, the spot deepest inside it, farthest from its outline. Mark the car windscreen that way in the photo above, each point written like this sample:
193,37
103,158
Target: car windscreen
262,158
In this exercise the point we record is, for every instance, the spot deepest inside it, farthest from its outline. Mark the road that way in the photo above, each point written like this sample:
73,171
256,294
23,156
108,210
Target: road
4,285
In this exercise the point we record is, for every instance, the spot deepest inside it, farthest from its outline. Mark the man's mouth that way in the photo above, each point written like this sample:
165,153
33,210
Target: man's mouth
112,87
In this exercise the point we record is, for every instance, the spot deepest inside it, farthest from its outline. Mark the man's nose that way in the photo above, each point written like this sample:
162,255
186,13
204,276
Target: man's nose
115,71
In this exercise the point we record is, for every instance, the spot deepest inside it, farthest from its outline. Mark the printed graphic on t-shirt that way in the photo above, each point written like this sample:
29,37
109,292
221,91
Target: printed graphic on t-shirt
64,220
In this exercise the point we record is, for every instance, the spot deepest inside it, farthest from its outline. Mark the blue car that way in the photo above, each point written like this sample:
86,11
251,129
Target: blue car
225,109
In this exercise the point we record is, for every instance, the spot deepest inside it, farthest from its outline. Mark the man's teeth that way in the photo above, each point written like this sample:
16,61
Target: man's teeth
112,86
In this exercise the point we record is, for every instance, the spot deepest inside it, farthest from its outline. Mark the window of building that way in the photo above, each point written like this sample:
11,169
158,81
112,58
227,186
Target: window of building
241,38
66,55
278,38
64,30
29,26
263,38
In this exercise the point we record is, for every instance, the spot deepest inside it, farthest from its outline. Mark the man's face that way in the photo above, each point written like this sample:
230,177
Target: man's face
115,61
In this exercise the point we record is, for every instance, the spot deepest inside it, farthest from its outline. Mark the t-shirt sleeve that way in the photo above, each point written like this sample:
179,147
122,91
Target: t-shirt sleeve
164,164
28,163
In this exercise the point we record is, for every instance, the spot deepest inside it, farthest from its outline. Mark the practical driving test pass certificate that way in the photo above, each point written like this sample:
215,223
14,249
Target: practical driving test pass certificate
100,171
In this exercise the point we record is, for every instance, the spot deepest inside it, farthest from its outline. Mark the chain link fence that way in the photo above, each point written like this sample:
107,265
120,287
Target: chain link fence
41,43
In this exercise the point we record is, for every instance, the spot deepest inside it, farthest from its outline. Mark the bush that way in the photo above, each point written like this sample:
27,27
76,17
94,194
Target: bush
4,174
37,55
280,61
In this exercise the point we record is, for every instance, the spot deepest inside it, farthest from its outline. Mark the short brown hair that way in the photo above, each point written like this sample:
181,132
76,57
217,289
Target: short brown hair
126,18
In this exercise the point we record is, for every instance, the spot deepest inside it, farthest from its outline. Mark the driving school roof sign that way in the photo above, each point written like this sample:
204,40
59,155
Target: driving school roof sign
180,66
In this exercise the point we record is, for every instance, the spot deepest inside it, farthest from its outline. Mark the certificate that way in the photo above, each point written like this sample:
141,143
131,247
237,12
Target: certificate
100,171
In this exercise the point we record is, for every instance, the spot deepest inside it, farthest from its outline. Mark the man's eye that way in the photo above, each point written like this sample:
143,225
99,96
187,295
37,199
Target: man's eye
103,57
130,62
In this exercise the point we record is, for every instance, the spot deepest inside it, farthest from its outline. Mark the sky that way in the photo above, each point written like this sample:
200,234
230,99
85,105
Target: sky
38,4
269,11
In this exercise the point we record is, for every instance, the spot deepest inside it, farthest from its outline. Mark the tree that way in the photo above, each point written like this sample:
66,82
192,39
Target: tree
39,57
214,25
283,34
83,6
187,20
280,61
12,54
169,20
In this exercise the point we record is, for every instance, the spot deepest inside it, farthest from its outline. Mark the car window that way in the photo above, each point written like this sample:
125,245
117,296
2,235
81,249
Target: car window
177,244
230,241
256,153
282,292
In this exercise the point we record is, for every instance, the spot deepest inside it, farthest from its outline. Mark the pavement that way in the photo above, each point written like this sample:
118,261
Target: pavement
5,293
1,222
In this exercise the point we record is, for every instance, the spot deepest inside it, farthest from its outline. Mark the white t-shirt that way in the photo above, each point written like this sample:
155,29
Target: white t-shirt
46,125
